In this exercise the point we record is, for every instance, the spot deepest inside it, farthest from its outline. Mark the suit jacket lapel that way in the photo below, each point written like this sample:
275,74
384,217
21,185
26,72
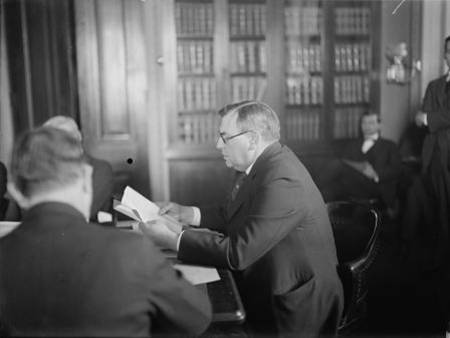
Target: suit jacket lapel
244,191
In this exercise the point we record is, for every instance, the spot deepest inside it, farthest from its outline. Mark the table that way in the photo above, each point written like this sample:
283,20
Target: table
223,294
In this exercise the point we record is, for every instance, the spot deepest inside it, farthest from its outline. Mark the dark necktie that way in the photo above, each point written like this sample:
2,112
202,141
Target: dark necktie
240,177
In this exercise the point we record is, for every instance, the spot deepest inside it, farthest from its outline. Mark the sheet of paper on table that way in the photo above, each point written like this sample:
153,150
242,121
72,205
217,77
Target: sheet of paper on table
195,274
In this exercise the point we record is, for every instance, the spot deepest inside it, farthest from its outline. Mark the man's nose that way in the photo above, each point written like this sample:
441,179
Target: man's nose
219,143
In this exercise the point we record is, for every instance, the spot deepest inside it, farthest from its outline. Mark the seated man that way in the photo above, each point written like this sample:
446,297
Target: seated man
274,232
369,167
61,276
102,177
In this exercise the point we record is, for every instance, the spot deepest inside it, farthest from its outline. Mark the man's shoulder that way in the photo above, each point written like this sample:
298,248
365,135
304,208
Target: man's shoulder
385,142
437,82
99,164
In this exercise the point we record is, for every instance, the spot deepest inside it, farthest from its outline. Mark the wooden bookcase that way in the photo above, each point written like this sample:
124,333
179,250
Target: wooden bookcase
313,61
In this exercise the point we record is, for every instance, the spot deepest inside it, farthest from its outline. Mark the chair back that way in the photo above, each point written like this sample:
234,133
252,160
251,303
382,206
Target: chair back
356,231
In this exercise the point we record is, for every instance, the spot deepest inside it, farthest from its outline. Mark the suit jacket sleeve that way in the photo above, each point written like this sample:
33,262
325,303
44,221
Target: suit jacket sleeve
391,168
275,211
177,305
438,119
213,218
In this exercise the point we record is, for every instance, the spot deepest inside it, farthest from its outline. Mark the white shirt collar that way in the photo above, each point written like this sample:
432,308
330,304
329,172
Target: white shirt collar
373,137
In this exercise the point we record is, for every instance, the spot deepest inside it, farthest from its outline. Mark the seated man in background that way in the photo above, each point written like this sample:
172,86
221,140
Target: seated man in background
60,276
3,200
274,232
369,167
102,176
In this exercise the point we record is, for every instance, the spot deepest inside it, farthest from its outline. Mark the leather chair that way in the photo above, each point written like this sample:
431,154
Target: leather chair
356,230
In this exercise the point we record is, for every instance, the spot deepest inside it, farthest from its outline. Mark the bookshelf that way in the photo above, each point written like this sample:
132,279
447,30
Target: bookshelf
353,44
304,44
196,83
326,64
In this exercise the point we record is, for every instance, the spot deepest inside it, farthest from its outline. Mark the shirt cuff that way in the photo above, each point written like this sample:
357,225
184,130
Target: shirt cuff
179,240
197,216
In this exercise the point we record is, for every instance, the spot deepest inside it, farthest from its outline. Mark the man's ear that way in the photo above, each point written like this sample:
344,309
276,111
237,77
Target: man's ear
253,140
15,193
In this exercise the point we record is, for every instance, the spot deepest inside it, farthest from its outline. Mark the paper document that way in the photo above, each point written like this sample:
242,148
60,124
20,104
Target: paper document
196,274
139,208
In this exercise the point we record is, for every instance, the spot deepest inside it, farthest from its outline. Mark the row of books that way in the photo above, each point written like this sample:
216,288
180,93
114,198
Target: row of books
194,19
248,56
199,128
302,20
352,57
352,20
346,122
303,58
302,125
195,56
351,89
304,90
247,88
247,19
196,94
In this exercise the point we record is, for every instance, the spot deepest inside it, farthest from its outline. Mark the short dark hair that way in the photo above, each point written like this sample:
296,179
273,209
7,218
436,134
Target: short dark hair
255,115
371,113
46,158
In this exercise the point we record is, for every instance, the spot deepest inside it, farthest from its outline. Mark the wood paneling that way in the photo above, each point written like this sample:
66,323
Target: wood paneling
112,86
39,37
199,182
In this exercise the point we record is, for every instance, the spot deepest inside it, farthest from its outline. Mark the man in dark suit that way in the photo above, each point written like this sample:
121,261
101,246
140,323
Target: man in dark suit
102,177
435,180
274,232
369,167
61,276
3,200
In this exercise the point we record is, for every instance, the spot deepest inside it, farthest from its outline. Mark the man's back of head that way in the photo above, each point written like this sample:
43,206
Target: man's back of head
65,123
49,164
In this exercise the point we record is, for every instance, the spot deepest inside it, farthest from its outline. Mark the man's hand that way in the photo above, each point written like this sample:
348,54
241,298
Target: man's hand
181,213
421,119
160,232
370,172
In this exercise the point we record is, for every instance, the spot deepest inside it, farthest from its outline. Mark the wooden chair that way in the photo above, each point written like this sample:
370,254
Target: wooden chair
356,230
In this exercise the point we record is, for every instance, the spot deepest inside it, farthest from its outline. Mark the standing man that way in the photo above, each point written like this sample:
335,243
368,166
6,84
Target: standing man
274,232
435,115
61,276
369,167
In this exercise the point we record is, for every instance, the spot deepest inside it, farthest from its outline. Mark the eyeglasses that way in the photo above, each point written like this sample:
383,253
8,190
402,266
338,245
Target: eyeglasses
225,139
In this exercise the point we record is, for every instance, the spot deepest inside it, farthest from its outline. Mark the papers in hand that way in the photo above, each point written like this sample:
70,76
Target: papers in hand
139,208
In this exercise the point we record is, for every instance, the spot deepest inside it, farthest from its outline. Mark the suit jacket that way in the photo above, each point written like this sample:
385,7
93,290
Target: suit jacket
385,160
438,118
3,200
61,276
277,238
102,186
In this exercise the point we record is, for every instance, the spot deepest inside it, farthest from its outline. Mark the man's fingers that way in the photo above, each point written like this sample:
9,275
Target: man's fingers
164,209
